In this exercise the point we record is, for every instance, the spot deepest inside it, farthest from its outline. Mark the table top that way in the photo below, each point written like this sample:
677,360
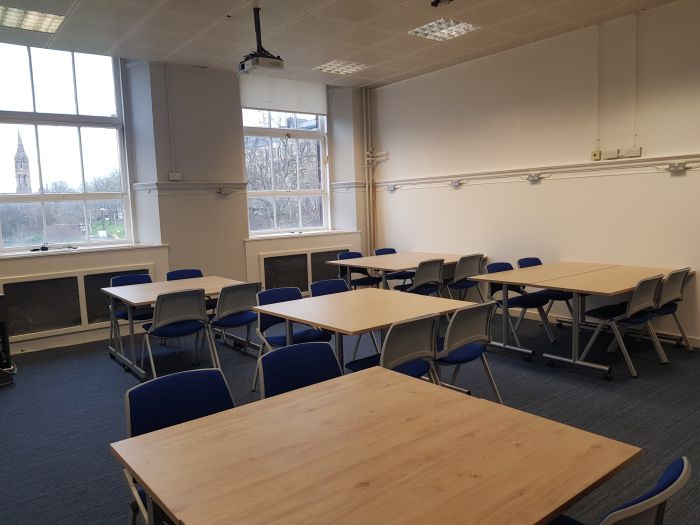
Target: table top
395,262
370,447
534,274
359,311
608,281
147,293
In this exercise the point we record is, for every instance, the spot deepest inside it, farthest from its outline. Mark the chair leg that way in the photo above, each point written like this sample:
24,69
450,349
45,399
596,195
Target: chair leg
487,369
545,323
663,358
596,332
449,292
357,346
513,330
683,336
257,367
436,371
481,294
519,321
433,374
568,305
212,347
150,356
549,308
248,329
623,349
454,374
374,342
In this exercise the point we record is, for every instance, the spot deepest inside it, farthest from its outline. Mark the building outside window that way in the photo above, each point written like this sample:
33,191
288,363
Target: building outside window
62,177
287,171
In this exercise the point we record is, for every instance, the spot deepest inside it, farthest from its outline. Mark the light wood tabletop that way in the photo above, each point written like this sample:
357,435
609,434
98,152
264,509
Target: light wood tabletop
371,447
534,274
607,282
147,293
394,262
360,311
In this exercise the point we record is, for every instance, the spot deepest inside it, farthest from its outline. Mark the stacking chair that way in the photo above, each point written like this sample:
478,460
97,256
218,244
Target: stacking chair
179,314
168,401
637,311
190,273
428,278
467,266
118,311
296,366
366,280
404,276
265,322
233,309
409,347
333,286
467,334
671,294
649,508
552,295
523,300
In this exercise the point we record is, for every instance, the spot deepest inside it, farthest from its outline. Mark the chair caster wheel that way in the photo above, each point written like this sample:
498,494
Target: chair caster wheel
528,359
559,324
126,368
551,363
111,355
678,344
608,376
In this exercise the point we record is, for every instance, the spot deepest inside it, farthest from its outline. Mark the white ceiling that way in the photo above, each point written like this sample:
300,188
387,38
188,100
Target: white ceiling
308,33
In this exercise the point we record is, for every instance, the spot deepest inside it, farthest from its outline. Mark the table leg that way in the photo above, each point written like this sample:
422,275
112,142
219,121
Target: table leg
339,351
155,513
289,325
348,277
385,283
504,320
576,327
132,335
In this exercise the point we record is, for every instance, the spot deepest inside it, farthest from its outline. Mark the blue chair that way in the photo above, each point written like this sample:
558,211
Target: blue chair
405,275
468,266
333,286
525,301
265,322
671,294
649,508
428,279
296,366
190,273
367,280
168,401
409,347
234,309
467,334
118,311
551,295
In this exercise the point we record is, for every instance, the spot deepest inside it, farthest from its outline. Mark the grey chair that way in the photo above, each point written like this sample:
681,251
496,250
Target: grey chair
427,280
467,334
234,309
468,266
409,347
637,311
176,315
671,294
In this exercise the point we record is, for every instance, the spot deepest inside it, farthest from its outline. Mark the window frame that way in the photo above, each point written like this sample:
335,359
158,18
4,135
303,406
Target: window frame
33,118
319,134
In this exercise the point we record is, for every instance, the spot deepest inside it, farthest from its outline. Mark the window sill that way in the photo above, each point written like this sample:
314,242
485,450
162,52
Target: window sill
290,235
79,250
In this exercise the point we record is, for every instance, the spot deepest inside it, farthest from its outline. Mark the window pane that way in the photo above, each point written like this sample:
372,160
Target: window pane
287,209
53,81
101,159
106,220
94,78
257,163
65,221
260,215
16,84
256,118
19,169
60,159
284,163
306,121
21,224
309,164
311,212
281,120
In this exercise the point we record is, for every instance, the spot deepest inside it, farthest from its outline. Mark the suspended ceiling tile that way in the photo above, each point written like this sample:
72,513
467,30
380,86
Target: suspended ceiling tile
491,12
192,59
93,46
212,8
212,47
135,51
377,73
480,38
271,18
440,52
157,39
356,11
232,32
371,57
535,4
54,7
108,11
288,43
527,24
97,29
174,22
331,49
401,20
364,36
605,16
406,62
350,81
443,11
405,44
315,26
302,6
572,9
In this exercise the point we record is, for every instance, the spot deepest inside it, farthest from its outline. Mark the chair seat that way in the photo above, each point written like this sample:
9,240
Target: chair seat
415,368
667,309
463,354
423,289
526,301
140,314
464,284
555,295
612,311
366,281
307,335
363,364
179,329
235,320
400,276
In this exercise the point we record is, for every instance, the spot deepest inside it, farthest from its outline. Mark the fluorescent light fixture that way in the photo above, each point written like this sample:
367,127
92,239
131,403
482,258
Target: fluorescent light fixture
443,29
29,20
341,67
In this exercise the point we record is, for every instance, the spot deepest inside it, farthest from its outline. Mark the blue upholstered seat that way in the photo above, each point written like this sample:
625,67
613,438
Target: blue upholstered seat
235,320
424,289
305,335
363,363
554,295
368,280
610,311
667,309
415,368
526,301
398,276
179,329
464,284
463,354
140,314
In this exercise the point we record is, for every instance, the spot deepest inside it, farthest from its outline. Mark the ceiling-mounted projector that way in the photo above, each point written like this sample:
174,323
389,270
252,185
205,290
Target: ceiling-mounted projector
261,58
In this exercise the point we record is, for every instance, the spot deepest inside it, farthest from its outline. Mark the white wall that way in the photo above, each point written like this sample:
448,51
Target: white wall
547,104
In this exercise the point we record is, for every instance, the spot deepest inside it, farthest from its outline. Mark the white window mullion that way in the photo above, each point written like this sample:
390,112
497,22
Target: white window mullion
31,78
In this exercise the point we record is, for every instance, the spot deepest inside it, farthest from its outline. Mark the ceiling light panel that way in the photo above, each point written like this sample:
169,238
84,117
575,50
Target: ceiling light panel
29,20
443,29
341,67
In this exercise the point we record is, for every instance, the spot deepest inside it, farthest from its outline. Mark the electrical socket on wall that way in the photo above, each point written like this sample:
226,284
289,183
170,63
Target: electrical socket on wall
595,154
174,176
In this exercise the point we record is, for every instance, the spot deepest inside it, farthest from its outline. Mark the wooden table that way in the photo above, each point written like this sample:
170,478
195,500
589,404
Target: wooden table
141,295
358,311
581,279
393,262
371,447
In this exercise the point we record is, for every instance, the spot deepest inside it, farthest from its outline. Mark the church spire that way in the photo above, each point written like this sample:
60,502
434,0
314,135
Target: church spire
22,175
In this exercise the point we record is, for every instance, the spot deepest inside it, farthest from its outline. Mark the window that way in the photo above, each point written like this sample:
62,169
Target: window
61,149
286,168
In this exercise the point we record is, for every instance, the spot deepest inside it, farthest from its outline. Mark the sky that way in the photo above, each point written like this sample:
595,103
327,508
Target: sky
54,93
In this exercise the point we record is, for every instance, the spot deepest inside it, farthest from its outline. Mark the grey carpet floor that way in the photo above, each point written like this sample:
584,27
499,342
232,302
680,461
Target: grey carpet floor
66,406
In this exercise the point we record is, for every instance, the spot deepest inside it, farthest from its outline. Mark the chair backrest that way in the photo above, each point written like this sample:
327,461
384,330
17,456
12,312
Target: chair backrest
297,366
236,298
328,287
271,296
645,295
187,273
673,285
526,262
471,324
649,508
468,266
384,251
175,398
175,307
428,272
343,270
131,278
495,268
409,340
